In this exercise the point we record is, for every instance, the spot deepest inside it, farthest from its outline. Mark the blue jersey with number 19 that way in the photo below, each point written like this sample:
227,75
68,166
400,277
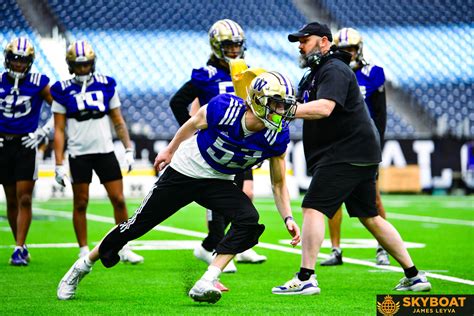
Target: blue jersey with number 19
223,144
20,112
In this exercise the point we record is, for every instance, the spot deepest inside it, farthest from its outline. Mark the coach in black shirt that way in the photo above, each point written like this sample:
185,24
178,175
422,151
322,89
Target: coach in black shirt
342,150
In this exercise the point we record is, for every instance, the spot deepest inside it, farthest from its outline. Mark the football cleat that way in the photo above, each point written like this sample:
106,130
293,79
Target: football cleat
68,284
17,258
203,255
205,291
221,286
418,283
25,253
297,287
127,255
381,257
250,256
335,259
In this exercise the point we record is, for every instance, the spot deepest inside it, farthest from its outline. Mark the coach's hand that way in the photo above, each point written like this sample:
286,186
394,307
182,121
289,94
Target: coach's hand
32,140
162,159
293,229
129,159
60,175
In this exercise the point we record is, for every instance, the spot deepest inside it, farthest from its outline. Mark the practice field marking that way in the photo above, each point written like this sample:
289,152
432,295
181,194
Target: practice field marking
186,232
357,243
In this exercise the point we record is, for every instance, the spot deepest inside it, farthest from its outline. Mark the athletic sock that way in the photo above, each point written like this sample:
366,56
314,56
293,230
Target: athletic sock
411,272
337,250
88,261
305,274
212,273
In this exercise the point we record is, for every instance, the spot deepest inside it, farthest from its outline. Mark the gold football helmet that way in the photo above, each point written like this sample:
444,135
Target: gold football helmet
80,52
224,35
350,38
271,97
19,50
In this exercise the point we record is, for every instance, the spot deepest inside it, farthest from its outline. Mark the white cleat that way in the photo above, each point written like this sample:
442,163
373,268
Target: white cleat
203,255
205,291
127,255
68,284
250,256
297,287
418,283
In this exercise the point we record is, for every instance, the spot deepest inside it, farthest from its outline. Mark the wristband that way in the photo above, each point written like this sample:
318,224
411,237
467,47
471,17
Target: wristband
288,218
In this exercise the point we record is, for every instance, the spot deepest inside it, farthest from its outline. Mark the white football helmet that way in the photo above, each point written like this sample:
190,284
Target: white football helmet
349,38
271,97
222,35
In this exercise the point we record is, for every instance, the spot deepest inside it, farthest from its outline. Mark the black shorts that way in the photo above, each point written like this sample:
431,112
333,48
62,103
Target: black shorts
343,183
241,177
105,166
17,163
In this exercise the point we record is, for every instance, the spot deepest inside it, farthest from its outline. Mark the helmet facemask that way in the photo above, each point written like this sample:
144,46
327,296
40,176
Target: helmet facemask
271,98
224,37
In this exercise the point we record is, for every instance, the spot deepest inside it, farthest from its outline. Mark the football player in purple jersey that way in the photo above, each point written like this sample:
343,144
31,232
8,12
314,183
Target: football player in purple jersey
21,97
227,41
371,79
83,108
225,137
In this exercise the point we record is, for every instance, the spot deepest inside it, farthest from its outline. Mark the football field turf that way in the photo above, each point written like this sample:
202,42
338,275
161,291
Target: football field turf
439,230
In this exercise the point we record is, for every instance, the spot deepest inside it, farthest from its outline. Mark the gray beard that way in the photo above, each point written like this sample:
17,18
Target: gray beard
304,60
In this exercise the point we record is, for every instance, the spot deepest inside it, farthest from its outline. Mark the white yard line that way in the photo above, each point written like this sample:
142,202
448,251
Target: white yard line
429,219
190,233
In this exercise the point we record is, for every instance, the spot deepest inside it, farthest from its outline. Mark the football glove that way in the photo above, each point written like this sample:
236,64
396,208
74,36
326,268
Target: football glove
1,142
129,160
32,140
60,175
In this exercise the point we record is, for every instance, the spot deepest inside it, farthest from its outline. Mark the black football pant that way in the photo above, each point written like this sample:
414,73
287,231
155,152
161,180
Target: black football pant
173,191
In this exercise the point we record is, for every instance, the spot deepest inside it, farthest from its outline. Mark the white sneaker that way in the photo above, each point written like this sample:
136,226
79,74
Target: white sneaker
68,284
127,255
205,291
381,257
203,254
297,287
207,256
250,256
418,283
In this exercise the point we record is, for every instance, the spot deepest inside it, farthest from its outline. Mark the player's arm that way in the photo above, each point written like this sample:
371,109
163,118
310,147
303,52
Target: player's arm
315,110
46,94
195,123
180,101
282,196
59,137
195,106
378,100
120,127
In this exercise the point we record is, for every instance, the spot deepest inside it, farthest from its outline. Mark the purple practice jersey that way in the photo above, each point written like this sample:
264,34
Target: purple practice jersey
223,145
20,112
94,104
370,79
211,81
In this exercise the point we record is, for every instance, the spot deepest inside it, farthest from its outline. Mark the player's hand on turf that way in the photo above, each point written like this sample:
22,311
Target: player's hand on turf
129,159
294,231
60,175
32,140
162,159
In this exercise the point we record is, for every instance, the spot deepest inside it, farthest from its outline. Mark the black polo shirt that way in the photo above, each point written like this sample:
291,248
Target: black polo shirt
348,135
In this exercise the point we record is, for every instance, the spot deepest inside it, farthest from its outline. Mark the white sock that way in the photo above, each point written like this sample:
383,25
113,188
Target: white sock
18,247
88,261
338,250
212,273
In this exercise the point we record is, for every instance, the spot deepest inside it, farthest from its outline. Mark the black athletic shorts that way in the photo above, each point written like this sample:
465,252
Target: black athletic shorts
343,183
105,166
241,177
17,163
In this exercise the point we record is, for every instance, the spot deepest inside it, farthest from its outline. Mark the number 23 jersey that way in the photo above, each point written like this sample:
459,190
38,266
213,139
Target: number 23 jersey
88,126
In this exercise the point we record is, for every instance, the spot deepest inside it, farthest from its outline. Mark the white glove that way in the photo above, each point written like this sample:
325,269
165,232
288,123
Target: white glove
1,142
129,160
34,139
60,175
